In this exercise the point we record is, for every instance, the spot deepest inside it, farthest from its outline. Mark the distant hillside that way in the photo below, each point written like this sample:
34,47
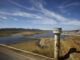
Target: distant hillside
18,29
72,32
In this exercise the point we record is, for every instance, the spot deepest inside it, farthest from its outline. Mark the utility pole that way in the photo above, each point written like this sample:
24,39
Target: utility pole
57,32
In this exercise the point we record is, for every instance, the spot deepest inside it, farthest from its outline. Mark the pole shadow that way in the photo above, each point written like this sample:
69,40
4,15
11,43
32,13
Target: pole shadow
72,50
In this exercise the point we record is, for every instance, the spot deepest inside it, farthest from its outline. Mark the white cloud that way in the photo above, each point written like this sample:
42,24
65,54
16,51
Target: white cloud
73,22
4,13
53,15
23,14
66,7
15,19
42,21
19,5
37,19
3,17
38,6
70,5
46,12
45,16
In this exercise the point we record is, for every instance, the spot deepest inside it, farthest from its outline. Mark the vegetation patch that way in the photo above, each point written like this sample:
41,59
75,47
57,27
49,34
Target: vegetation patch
69,47
14,31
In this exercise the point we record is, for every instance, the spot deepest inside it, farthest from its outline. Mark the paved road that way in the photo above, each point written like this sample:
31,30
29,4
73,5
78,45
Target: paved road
8,54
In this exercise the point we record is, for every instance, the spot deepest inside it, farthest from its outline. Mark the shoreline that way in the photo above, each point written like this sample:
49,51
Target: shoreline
32,46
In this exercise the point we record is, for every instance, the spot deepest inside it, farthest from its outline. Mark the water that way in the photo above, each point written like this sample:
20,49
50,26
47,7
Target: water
48,35
17,38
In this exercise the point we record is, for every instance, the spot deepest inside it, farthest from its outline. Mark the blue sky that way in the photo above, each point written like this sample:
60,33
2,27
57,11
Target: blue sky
40,14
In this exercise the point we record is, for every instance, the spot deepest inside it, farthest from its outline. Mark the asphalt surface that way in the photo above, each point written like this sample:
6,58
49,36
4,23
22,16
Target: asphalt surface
8,54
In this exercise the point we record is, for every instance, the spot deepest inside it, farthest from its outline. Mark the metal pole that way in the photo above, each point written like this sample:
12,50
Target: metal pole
57,32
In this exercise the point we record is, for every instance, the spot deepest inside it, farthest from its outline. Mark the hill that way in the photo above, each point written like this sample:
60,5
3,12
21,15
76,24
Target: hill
20,31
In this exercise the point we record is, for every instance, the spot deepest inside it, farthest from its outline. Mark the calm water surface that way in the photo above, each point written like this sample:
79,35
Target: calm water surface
16,38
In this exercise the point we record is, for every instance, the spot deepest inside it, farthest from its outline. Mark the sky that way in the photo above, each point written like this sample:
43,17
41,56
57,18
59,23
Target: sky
40,14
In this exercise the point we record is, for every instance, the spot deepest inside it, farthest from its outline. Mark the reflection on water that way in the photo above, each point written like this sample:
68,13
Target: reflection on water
17,37
13,39
47,35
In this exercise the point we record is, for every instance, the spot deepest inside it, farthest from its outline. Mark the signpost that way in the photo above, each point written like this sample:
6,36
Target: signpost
57,32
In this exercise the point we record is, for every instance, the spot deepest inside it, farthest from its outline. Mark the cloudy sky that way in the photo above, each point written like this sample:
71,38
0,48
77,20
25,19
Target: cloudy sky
40,14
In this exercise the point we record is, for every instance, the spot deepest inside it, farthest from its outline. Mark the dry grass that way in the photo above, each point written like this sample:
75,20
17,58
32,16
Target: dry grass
66,45
33,47
8,33
71,43
2,35
31,32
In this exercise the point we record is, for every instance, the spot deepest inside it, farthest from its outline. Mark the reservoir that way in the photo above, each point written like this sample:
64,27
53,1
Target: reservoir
17,38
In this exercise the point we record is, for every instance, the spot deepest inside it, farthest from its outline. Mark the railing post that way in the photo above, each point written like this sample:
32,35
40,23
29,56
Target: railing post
57,32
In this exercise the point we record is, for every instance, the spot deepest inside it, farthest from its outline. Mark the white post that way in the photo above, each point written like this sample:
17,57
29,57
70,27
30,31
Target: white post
57,32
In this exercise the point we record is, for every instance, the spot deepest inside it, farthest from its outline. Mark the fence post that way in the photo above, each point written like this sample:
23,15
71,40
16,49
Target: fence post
57,32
